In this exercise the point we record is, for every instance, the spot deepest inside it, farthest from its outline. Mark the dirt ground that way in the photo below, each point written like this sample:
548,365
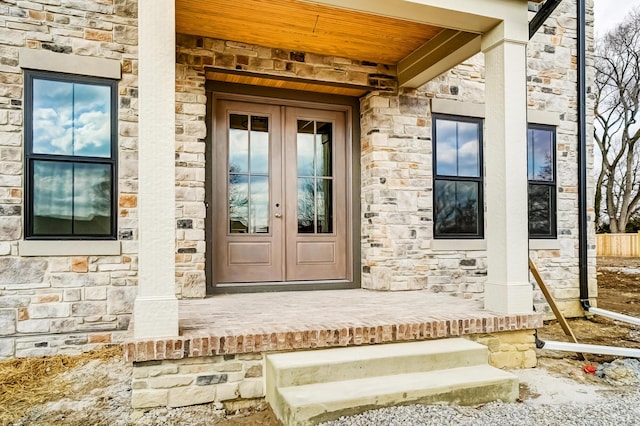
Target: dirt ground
94,389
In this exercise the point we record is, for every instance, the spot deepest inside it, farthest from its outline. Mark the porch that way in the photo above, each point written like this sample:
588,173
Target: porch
228,324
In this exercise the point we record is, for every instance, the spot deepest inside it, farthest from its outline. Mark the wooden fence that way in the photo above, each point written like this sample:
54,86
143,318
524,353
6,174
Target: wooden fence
623,245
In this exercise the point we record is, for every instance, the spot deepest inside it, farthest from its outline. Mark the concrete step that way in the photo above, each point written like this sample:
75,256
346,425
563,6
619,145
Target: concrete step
356,362
313,403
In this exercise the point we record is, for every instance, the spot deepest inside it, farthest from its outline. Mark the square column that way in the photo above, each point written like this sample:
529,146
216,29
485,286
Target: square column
507,289
156,306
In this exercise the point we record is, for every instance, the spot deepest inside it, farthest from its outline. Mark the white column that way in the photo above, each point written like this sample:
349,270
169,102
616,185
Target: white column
156,306
507,289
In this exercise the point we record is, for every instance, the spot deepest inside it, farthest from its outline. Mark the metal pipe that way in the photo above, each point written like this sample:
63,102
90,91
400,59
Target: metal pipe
591,349
614,315
582,156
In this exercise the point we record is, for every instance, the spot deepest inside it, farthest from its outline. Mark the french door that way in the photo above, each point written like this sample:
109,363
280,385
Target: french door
280,209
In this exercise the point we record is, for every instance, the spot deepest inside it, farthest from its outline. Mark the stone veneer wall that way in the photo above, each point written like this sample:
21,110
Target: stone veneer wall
55,304
397,177
228,378
52,304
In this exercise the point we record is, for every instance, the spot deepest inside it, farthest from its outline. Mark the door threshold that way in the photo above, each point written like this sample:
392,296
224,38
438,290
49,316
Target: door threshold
223,288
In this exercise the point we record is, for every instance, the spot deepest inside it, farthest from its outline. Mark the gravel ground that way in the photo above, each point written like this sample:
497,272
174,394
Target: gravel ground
617,410
548,397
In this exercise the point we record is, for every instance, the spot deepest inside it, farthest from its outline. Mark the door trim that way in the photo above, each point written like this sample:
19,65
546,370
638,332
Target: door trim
284,97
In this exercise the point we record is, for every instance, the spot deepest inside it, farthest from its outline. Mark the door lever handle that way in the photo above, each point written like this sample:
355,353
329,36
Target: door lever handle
278,215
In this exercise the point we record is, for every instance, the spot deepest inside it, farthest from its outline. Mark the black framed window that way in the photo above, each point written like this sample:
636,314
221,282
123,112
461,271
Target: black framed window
70,155
541,173
458,177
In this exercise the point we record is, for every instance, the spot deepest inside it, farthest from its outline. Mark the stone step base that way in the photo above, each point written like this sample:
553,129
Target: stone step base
313,403
356,362
307,387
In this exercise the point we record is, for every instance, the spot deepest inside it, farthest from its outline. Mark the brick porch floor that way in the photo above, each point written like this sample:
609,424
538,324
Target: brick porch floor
259,322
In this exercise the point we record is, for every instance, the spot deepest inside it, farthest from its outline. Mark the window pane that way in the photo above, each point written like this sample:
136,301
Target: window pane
238,144
540,214
260,145
446,148
52,117
238,204
306,206
305,147
457,148
324,205
92,199
456,206
323,149
259,220
52,198
540,154
468,149
71,118
92,120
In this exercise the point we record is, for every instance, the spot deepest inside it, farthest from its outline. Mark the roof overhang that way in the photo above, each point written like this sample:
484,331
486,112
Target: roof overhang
422,38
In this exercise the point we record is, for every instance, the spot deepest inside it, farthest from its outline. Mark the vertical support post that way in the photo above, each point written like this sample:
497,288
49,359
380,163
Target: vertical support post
156,306
508,289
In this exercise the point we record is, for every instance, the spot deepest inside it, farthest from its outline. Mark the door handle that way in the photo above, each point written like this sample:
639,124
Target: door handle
278,215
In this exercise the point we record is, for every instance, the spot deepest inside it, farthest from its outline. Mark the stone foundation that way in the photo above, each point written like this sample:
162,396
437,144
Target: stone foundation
239,377
177,383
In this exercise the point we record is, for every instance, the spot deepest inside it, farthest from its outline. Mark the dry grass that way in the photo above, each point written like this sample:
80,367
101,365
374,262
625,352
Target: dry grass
27,382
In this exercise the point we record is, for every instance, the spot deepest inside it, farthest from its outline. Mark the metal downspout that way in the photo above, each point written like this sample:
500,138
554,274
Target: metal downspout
582,156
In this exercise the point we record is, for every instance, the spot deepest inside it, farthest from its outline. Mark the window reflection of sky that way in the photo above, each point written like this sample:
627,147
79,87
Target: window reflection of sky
457,152
248,174
71,118
540,158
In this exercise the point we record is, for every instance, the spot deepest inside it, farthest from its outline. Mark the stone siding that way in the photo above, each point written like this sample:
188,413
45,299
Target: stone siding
201,380
59,304
54,304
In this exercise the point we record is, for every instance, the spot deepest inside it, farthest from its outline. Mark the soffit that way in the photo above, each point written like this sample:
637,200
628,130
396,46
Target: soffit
307,27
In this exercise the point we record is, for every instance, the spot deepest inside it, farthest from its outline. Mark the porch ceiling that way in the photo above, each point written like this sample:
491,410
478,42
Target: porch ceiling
307,27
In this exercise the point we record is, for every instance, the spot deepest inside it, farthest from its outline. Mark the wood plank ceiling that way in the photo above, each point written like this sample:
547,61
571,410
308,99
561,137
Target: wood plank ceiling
307,27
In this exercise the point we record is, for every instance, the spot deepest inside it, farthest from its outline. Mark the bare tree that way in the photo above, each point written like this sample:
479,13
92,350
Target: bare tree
617,92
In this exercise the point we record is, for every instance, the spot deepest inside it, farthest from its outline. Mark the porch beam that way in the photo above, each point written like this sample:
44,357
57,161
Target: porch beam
478,16
436,56
507,289
156,306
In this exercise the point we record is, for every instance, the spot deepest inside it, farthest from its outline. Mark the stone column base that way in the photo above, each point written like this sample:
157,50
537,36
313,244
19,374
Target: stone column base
155,317
508,298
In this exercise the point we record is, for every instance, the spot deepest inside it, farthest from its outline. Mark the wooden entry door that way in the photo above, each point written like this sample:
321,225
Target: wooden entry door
280,210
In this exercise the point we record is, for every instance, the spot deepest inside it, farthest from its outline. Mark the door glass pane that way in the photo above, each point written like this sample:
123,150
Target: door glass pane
305,147
92,199
259,145
456,207
52,198
324,205
248,174
259,205
306,206
238,144
323,149
238,204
